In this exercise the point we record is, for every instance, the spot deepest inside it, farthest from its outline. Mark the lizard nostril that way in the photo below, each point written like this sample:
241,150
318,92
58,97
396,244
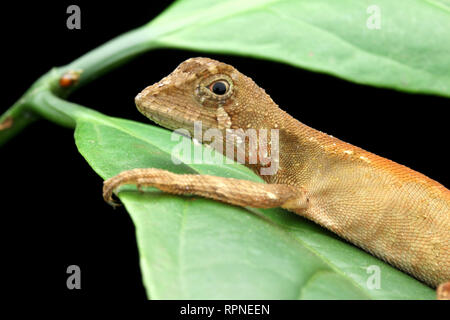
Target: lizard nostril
138,98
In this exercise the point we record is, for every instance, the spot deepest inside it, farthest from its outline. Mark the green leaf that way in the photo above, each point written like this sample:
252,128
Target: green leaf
409,52
193,248
196,248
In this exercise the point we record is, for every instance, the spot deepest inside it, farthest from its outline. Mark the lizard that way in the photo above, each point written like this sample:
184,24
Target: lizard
385,208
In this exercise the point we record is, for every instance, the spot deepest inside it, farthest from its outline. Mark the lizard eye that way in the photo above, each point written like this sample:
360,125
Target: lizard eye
219,87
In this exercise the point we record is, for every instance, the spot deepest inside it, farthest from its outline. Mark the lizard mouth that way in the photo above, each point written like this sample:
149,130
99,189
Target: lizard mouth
171,116
162,115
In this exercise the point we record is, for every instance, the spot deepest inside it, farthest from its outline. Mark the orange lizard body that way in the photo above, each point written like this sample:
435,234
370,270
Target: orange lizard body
387,209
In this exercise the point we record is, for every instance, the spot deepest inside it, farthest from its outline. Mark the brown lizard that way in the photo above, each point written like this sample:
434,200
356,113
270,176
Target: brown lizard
389,210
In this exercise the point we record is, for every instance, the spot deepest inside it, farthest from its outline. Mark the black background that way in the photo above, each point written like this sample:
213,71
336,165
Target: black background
52,209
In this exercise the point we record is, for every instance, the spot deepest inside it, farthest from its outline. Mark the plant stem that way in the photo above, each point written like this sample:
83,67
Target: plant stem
112,54
14,120
35,103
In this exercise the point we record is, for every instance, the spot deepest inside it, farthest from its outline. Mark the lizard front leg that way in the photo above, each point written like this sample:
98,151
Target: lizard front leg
234,191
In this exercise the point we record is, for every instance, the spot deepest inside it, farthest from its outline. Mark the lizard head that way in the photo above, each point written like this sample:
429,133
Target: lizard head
206,90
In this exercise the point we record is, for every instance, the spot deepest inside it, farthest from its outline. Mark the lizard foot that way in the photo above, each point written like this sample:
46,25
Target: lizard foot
443,291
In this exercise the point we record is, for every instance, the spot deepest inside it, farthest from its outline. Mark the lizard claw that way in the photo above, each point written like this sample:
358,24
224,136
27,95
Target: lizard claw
108,190
113,203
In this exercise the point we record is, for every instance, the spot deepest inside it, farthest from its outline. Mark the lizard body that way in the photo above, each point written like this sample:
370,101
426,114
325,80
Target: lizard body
389,210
